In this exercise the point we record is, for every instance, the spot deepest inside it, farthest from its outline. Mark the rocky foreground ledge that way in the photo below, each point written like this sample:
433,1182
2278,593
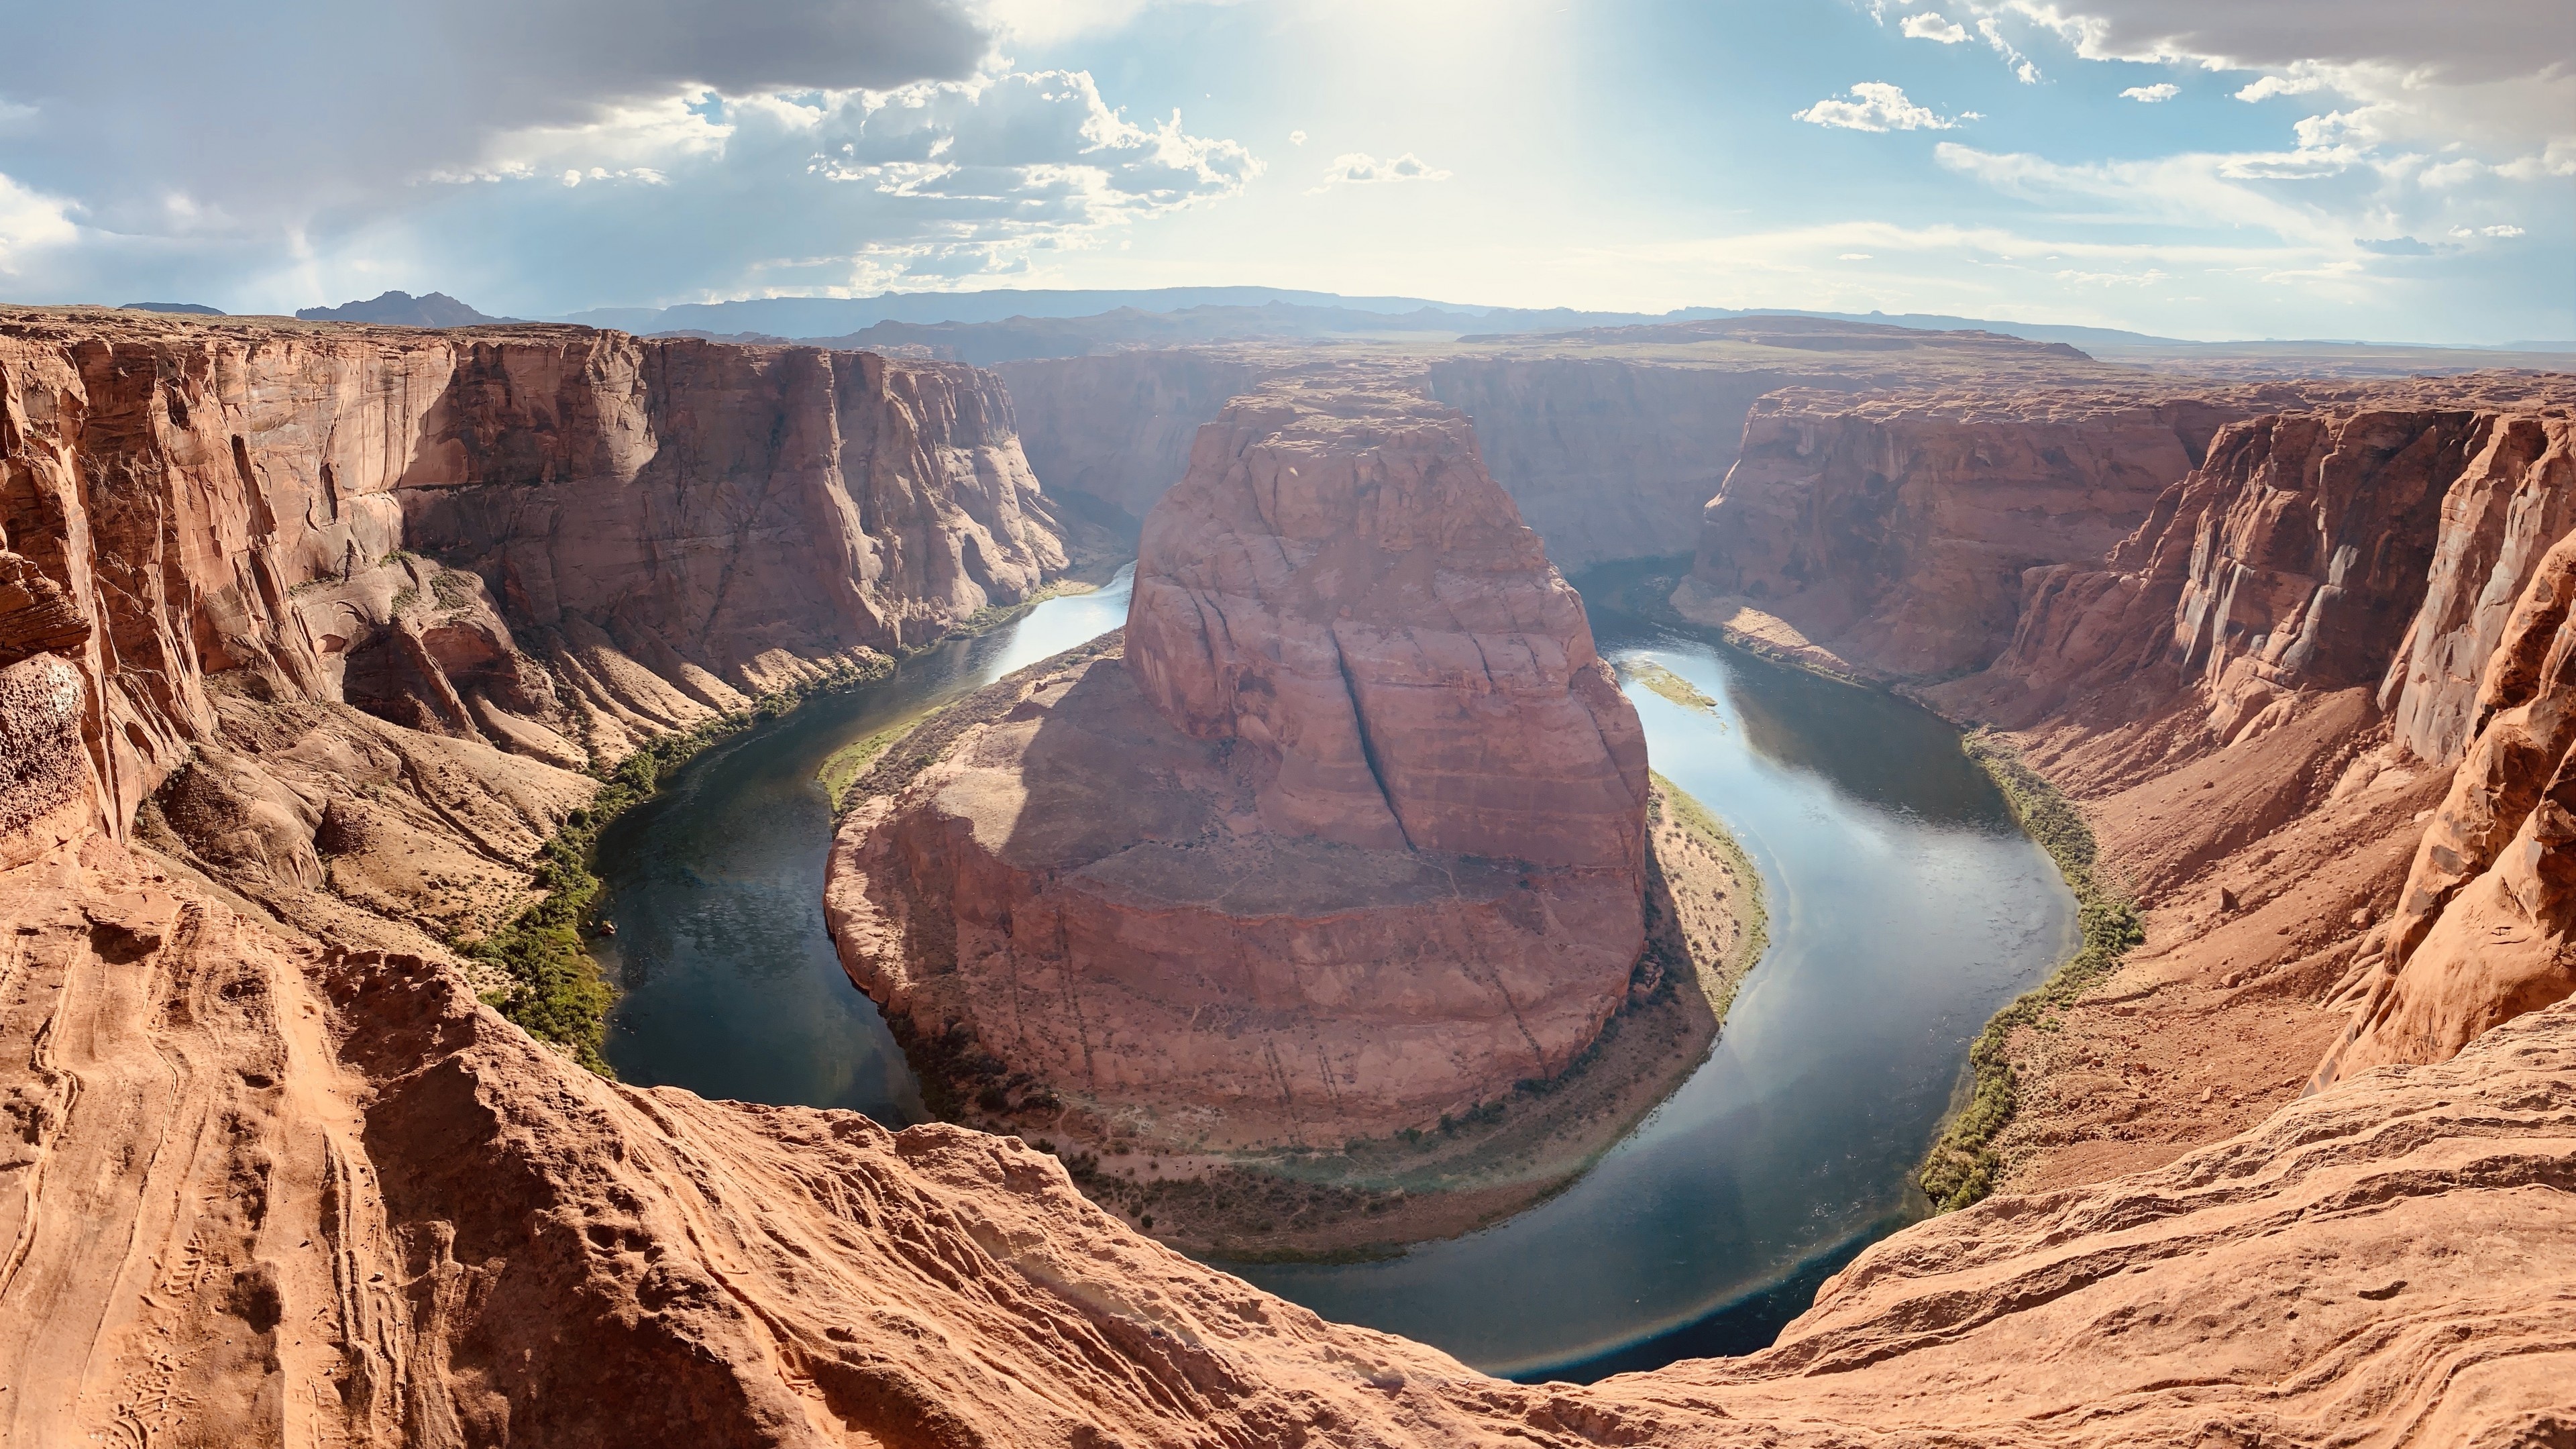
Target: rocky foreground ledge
255,1192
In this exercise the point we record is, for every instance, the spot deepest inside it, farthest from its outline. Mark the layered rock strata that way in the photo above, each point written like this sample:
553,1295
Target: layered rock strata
1890,535
1351,836
1610,441
2258,697
358,608
377,1214
259,1189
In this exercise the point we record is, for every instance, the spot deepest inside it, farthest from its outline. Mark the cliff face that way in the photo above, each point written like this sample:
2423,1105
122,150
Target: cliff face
266,1190
1892,534
377,1214
1116,429
239,497
625,483
1606,459
2261,697
1352,837
1340,584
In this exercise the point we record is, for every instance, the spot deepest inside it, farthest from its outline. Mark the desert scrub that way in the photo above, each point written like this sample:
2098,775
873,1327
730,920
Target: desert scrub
1668,684
1962,1165
993,616
555,990
850,761
1695,818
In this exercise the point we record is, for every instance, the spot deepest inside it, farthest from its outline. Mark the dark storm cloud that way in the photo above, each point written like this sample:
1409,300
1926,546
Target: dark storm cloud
180,119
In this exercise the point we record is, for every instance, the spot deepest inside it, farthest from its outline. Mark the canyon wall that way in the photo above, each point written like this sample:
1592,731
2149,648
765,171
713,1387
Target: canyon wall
1606,458
355,609
1891,534
378,1214
258,1187
2307,707
1349,838
242,497
1115,429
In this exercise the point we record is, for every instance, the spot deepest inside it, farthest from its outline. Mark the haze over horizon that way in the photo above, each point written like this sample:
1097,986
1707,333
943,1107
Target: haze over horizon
2375,170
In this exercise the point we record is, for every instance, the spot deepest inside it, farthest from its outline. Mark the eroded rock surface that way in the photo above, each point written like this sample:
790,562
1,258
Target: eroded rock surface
379,1214
358,608
2257,697
259,1188
1341,585
1352,835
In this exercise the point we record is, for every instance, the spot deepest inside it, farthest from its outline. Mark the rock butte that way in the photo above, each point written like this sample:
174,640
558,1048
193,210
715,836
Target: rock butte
258,1188
1352,836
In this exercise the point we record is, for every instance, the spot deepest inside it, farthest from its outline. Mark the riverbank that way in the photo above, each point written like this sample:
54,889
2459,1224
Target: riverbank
554,986
1963,1165
555,989
1370,1196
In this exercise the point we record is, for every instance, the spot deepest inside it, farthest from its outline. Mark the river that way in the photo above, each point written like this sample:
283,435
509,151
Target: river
1905,909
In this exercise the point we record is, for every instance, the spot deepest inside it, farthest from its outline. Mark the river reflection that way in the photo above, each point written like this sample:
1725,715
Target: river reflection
1905,909
727,983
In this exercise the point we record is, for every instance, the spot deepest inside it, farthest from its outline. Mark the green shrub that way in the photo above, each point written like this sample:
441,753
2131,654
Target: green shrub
1962,1166
555,990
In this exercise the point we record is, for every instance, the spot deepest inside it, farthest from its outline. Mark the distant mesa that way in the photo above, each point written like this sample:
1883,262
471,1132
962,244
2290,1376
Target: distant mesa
401,309
193,309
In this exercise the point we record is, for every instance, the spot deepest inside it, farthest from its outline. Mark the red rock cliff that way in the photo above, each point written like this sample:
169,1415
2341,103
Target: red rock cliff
2311,708
1893,532
1353,836
1340,584
680,523
261,1190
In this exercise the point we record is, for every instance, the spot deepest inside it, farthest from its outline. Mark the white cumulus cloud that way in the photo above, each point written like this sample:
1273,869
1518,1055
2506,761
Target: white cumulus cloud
30,220
1358,168
2161,91
1296,138
1878,106
1930,25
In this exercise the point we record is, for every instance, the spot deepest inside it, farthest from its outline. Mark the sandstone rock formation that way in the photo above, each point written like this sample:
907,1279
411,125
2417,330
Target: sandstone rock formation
2259,699
378,1214
286,468
1892,533
393,735
1339,583
1115,430
259,1188
1352,837
1607,458
1610,441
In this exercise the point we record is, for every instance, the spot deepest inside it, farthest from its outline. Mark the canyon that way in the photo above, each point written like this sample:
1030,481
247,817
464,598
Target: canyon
313,636
1342,838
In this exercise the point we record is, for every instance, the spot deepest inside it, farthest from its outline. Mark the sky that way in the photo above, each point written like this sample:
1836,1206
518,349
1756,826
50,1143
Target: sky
2378,169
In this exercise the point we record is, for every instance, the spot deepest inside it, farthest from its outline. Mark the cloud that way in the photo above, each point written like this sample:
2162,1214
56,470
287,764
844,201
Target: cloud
1296,138
29,222
814,145
2279,85
2465,232
1361,169
2438,40
2023,70
1931,26
2395,246
2425,74
1853,257
2161,91
1877,106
